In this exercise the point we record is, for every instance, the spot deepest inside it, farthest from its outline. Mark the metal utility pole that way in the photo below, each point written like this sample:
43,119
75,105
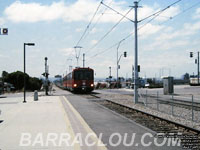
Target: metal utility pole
198,67
136,57
70,66
83,60
77,53
110,72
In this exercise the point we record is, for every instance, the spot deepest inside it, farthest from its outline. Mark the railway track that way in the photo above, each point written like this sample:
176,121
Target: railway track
190,137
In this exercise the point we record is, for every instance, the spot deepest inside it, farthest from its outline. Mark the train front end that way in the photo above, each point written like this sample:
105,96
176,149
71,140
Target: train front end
83,80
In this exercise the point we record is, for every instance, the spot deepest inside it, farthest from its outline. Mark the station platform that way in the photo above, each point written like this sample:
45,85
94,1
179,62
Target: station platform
50,123
70,122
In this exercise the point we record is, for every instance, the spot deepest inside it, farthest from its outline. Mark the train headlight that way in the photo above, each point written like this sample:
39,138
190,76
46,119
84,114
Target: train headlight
75,85
92,85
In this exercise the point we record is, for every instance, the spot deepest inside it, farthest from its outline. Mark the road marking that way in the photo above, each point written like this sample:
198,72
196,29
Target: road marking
69,127
85,125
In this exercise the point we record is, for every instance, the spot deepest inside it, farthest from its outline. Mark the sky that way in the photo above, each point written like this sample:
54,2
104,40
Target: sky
56,26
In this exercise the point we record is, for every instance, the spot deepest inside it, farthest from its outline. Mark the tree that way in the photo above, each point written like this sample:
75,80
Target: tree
17,79
4,74
34,84
186,76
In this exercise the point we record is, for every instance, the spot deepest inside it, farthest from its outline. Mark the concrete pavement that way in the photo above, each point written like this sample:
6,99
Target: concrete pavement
42,124
70,122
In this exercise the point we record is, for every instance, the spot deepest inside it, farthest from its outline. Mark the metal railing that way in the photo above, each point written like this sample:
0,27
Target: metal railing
184,107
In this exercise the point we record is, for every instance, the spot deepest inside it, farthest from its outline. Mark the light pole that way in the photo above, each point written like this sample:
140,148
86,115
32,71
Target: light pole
118,59
28,44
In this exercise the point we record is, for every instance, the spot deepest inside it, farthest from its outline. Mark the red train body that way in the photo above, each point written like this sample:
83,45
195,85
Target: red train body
79,80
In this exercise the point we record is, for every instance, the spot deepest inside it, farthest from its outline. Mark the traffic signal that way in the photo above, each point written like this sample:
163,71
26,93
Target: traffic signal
125,54
195,61
138,68
191,54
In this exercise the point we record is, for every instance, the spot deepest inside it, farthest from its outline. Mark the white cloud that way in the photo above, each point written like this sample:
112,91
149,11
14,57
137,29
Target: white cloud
144,12
79,29
197,14
3,56
33,12
81,10
68,51
172,11
93,42
2,21
188,29
149,29
94,30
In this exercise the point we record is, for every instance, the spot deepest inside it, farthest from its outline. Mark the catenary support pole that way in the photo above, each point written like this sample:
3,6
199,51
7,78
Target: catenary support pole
136,57
198,67
83,60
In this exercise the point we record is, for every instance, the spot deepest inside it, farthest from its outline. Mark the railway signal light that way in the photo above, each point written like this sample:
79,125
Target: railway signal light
191,54
125,54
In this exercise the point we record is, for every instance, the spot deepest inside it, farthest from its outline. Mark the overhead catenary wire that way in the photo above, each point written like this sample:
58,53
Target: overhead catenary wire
117,12
185,10
157,14
98,19
102,38
87,27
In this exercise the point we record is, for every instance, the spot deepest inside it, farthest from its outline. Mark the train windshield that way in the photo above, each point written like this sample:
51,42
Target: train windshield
83,75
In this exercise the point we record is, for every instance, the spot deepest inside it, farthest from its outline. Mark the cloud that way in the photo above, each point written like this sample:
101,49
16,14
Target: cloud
3,56
93,42
81,10
188,29
68,51
33,12
2,21
197,14
79,29
149,29
167,14
94,30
